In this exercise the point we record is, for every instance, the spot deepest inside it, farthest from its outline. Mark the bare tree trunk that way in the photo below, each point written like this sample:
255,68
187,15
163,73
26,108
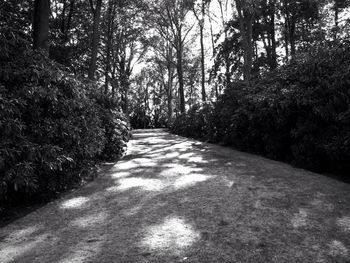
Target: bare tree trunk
170,84
249,51
273,63
286,40
227,70
170,100
108,44
69,20
125,87
227,60
95,38
246,28
202,65
63,20
179,67
336,20
113,82
211,34
292,40
201,33
41,25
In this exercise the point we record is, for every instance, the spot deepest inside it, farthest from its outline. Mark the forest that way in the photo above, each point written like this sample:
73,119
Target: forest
270,77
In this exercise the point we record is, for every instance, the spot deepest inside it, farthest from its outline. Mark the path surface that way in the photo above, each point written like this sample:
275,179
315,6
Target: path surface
173,199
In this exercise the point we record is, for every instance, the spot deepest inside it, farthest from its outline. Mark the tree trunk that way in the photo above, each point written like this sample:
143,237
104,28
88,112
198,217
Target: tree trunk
201,29
292,40
170,84
336,20
273,63
170,100
41,25
179,67
95,39
69,21
202,65
227,70
114,82
108,44
124,82
227,65
246,28
63,19
211,34
286,40
248,54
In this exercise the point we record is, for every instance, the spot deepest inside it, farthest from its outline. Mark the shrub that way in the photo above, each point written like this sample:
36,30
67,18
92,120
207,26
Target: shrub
117,133
142,119
53,126
196,123
299,113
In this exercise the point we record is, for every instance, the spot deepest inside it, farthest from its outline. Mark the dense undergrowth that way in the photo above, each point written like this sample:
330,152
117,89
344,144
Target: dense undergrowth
53,125
140,119
299,113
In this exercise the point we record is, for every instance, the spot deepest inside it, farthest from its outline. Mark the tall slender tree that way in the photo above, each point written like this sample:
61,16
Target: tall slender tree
200,16
170,22
246,12
41,25
96,12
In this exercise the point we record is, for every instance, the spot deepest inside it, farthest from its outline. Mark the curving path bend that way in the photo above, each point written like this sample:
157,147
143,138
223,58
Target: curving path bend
173,199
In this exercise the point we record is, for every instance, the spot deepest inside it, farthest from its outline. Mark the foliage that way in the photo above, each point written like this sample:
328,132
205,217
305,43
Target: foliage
53,126
196,123
299,113
117,133
142,119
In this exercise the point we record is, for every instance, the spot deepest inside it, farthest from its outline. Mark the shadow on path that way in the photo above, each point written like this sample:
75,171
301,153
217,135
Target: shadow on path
172,199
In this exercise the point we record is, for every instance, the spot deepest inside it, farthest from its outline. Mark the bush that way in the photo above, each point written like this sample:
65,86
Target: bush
196,123
299,113
53,126
117,133
142,119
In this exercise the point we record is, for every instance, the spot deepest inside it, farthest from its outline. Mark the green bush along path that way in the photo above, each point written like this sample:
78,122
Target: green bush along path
173,199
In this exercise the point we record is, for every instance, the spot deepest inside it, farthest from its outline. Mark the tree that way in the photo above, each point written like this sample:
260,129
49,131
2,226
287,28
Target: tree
127,47
163,65
111,12
246,10
41,25
226,57
96,11
265,27
338,6
201,19
170,21
296,13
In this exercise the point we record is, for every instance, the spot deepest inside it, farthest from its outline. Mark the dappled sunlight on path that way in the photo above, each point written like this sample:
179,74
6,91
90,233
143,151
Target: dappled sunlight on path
172,199
172,236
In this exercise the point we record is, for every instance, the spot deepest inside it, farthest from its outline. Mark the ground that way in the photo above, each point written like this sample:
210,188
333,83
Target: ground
173,199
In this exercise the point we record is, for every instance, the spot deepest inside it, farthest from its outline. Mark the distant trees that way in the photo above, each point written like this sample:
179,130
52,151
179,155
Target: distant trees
169,18
200,47
199,11
163,73
263,35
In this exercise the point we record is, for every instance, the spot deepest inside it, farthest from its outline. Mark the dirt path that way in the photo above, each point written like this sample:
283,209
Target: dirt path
173,199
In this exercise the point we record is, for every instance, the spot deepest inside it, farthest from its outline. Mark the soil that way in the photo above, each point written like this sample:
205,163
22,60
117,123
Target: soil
173,199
